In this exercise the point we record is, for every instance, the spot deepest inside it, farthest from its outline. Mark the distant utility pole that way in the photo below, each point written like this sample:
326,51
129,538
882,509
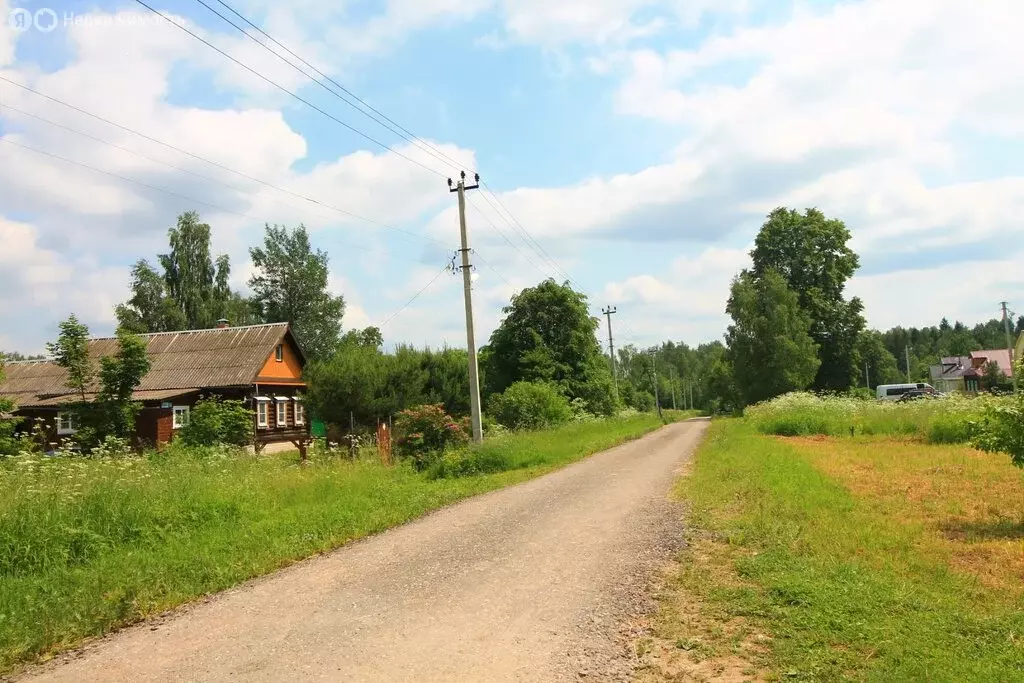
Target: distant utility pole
1009,343
906,349
867,382
654,370
673,387
474,369
607,312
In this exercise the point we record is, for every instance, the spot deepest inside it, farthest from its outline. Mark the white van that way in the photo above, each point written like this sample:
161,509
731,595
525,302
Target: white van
892,392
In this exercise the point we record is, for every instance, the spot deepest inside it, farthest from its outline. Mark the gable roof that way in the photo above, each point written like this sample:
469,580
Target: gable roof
182,361
1000,356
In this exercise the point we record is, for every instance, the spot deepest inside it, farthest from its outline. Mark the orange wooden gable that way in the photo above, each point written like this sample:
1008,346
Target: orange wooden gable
288,370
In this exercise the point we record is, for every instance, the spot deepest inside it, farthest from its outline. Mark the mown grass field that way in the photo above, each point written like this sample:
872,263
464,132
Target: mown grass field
865,558
89,545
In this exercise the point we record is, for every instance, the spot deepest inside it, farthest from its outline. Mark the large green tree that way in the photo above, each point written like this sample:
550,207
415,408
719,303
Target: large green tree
192,292
194,281
770,347
291,285
548,335
150,308
810,252
119,375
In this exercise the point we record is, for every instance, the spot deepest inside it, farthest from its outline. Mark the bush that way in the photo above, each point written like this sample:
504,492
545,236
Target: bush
1002,430
215,421
530,405
423,434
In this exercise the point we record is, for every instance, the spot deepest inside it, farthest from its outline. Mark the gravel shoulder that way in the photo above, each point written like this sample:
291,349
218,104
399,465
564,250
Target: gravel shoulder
536,582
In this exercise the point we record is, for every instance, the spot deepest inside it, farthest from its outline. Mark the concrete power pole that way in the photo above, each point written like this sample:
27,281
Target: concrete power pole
474,368
654,370
1009,344
906,350
607,312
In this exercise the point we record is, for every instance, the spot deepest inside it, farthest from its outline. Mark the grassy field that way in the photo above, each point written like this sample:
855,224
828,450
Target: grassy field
88,545
866,558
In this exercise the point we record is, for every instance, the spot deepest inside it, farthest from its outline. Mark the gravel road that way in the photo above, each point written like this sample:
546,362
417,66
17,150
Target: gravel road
536,582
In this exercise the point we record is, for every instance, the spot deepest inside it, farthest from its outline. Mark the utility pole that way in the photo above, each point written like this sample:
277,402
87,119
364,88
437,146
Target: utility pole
906,349
607,312
867,382
474,369
654,369
1009,344
673,387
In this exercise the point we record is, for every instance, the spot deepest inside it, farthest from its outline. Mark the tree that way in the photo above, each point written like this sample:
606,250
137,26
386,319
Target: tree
810,252
290,285
193,280
881,365
369,336
548,335
993,376
769,343
150,308
71,352
119,375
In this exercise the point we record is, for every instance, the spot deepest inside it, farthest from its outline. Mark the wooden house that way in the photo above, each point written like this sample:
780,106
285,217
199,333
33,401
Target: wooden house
259,364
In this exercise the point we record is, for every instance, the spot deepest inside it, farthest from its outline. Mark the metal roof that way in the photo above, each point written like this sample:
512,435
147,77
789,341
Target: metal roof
180,362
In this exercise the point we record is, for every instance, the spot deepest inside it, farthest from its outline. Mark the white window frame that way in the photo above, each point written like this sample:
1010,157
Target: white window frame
180,410
262,412
300,412
281,414
69,418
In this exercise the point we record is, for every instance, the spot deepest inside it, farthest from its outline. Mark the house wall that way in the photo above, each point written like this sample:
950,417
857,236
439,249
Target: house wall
288,369
288,430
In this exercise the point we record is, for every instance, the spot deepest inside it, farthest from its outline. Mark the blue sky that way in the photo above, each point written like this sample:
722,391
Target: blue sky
640,142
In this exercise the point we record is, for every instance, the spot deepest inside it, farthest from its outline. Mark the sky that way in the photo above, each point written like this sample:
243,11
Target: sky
631,146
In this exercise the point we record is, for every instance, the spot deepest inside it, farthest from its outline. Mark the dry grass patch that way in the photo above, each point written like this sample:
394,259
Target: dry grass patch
968,503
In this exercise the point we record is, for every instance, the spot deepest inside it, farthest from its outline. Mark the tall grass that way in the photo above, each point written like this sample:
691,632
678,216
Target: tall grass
951,419
87,545
845,584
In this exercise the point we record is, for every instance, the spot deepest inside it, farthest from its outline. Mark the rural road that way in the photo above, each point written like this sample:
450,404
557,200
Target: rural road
530,583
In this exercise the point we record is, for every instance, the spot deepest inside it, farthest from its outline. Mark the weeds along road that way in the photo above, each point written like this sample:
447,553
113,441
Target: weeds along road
528,583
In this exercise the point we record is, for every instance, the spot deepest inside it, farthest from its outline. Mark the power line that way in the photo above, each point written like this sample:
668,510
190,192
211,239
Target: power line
284,89
415,296
377,116
505,237
374,114
140,183
197,157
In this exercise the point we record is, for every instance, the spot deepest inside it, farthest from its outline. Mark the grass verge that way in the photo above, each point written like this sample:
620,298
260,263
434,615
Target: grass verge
87,546
855,559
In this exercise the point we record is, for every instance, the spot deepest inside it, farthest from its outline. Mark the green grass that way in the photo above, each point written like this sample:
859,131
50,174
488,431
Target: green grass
951,419
88,545
848,586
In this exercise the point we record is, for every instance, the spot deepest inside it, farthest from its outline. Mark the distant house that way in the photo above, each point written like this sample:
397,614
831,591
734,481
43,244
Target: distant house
954,373
259,364
965,373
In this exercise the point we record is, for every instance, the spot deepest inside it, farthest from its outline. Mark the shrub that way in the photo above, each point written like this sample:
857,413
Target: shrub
422,434
215,421
530,405
1003,428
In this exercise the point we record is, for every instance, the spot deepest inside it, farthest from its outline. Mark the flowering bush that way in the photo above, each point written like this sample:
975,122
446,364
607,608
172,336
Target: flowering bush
425,432
951,419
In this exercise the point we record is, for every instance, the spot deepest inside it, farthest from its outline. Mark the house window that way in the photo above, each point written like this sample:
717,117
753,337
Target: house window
282,413
180,416
262,412
66,424
279,353
300,412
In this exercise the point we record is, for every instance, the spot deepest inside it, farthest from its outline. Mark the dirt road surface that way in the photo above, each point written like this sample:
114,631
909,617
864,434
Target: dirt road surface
529,583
